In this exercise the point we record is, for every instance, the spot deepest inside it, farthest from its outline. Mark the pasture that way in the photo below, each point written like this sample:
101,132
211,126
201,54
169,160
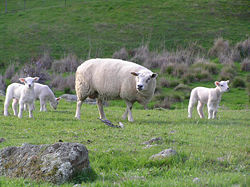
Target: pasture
215,151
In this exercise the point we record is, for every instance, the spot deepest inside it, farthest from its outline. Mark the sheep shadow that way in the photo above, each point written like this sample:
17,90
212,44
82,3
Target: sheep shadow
88,175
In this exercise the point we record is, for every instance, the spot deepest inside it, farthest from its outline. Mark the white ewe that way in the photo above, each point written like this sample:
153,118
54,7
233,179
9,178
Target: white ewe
44,94
209,96
113,78
24,94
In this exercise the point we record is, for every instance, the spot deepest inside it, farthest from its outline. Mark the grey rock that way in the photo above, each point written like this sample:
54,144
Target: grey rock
163,154
2,93
2,140
55,163
73,98
196,180
152,141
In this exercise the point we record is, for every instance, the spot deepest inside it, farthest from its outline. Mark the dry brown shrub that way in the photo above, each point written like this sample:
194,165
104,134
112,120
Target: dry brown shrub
30,70
45,61
122,54
241,50
67,64
206,65
245,65
2,83
66,84
220,47
9,72
141,54
228,72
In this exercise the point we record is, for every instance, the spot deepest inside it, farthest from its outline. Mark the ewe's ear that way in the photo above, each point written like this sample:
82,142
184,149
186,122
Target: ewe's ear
36,78
22,79
154,75
58,99
217,83
134,73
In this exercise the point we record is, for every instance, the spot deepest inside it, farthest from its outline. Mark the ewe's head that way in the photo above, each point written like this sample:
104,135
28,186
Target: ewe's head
222,85
29,81
55,103
144,79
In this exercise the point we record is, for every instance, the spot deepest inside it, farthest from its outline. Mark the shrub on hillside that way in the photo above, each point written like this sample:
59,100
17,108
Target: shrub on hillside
2,83
67,64
9,72
220,47
238,83
182,87
206,65
168,83
241,50
228,72
141,54
245,65
121,54
30,70
66,84
45,61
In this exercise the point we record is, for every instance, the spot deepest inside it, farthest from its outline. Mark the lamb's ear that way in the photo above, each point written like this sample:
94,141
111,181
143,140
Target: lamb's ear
227,81
36,78
134,73
217,83
154,75
58,99
22,79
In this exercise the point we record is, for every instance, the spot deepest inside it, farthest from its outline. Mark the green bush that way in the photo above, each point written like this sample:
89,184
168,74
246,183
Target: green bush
239,83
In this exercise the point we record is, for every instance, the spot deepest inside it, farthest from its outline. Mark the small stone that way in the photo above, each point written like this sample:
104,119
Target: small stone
163,154
152,141
196,180
2,140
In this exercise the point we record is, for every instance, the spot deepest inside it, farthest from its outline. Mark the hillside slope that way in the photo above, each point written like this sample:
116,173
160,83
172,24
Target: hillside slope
99,28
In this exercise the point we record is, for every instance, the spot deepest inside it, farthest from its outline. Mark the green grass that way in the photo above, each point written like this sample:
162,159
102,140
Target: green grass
117,156
100,28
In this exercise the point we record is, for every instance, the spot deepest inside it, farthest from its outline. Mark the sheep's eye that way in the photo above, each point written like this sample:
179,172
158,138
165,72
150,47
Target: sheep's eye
221,85
147,80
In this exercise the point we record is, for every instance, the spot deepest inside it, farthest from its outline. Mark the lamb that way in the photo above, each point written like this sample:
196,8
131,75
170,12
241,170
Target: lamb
113,78
22,94
209,96
44,93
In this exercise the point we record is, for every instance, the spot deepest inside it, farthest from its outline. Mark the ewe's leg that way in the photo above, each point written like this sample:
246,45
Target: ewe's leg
21,107
6,105
100,108
125,115
78,109
14,106
128,111
31,105
200,109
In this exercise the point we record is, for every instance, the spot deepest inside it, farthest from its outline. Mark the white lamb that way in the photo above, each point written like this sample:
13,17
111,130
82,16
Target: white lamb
113,78
22,94
44,94
209,96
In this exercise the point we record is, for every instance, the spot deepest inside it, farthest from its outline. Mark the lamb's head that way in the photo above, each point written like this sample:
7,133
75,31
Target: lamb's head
29,81
222,85
55,103
144,79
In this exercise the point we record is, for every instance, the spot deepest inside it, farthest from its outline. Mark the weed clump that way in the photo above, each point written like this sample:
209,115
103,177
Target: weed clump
67,64
238,83
245,65
121,54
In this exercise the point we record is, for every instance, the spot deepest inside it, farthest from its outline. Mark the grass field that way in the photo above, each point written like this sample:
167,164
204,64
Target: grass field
215,151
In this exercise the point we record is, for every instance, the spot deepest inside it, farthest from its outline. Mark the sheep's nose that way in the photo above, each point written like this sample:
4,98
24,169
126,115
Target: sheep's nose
29,85
139,87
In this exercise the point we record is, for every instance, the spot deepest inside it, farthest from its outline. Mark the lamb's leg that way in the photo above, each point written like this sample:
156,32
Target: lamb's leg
42,105
31,105
25,106
210,109
191,104
21,107
128,110
200,109
6,105
215,111
100,108
14,106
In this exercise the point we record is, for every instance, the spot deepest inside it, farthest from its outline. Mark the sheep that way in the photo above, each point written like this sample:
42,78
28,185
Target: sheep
22,94
44,93
113,78
209,96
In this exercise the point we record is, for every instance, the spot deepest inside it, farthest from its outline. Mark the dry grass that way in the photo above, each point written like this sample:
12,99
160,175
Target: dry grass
245,65
121,54
67,64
